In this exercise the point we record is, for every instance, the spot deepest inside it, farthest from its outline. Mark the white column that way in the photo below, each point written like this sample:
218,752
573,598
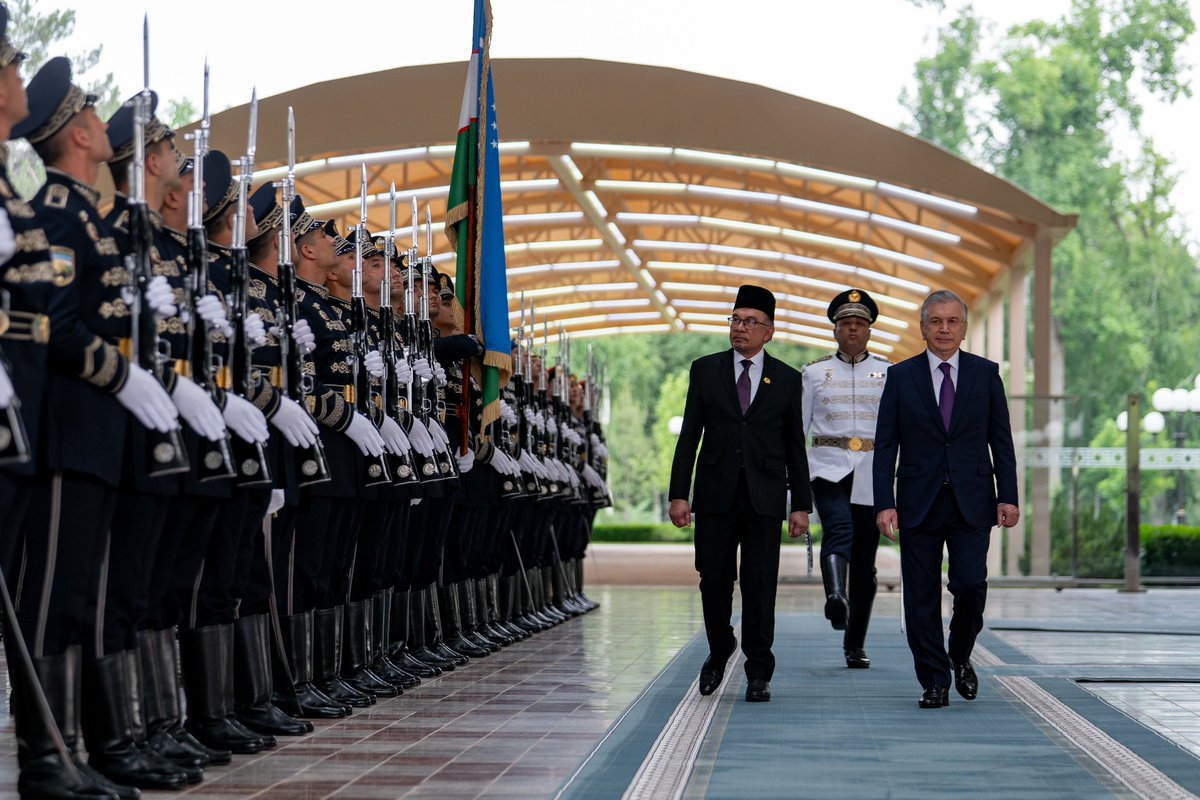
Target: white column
1017,349
993,325
1043,326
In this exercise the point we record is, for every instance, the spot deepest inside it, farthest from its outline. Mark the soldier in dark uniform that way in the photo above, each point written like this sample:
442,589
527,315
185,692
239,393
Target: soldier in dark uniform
92,389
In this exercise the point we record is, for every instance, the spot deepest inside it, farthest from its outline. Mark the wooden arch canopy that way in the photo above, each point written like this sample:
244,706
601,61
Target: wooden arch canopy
638,198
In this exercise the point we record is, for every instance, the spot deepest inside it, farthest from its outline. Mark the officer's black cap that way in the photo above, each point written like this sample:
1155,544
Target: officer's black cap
756,297
220,189
302,221
369,248
53,102
187,165
8,53
853,303
267,213
120,129
445,285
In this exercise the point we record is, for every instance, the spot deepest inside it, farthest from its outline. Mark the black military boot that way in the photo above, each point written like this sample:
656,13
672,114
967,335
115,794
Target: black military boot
207,655
297,695
329,641
108,734
421,633
167,668
157,706
413,657
834,569
489,613
137,719
436,635
398,641
523,592
546,607
591,604
862,598
252,705
505,597
471,619
560,593
382,664
356,639
455,637
46,771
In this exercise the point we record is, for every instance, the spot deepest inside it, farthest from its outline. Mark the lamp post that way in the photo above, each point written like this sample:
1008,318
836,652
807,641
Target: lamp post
1181,403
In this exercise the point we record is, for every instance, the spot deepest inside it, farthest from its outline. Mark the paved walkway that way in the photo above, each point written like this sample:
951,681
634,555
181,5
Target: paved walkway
1084,693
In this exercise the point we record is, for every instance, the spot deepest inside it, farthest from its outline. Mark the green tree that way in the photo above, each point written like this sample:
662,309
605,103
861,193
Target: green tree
1043,108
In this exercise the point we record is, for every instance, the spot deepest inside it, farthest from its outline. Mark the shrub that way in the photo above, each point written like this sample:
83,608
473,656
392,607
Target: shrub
1171,550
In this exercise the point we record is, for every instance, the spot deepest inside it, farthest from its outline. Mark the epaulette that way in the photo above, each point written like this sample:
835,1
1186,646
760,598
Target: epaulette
819,360
56,196
880,358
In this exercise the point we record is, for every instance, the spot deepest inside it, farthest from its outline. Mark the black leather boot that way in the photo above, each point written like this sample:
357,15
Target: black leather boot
356,642
329,641
436,637
546,607
862,598
560,592
252,705
382,632
108,733
167,668
45,770
418,650
587,601
137,720
156,706
489,613
523,591
207,655
451,605
298,696
834,569
471,619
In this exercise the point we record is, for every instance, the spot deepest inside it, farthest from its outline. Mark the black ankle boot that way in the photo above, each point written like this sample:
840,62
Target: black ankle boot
252,705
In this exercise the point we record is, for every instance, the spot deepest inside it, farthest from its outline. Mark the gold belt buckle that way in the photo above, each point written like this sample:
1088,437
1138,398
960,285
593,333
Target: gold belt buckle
854,444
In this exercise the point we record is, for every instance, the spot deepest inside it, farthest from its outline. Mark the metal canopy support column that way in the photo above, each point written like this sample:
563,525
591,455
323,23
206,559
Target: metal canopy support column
994,325
1017,349
1043,413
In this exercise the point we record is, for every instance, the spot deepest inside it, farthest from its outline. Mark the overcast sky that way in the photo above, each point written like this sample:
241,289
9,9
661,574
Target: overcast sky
856,54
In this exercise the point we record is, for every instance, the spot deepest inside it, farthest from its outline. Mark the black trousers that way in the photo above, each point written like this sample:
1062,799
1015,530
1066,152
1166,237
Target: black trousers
302,536
227,560
129,564
718,537
921,571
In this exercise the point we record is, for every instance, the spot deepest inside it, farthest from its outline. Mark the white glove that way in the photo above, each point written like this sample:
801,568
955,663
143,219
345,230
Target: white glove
362,432
393,437
8,241
507,414
303,336
145,398
420,439
210,309
465,462
404,373
440,438
6,387
506,466
374,364
254,329
593,478
294,423
277,500
421,369
535,420
244,419
529,463
161,297
197,409
439,376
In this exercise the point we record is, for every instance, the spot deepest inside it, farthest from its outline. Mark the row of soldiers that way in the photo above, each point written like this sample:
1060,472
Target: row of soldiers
255,474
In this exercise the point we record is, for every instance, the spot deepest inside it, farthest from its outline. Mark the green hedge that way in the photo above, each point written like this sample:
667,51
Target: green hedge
664,532
1171,550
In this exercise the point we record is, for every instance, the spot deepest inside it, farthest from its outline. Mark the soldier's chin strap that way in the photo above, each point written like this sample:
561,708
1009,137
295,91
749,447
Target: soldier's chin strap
26,683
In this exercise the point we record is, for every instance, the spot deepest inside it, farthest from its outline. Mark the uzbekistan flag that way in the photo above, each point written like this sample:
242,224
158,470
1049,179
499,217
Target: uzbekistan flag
474,220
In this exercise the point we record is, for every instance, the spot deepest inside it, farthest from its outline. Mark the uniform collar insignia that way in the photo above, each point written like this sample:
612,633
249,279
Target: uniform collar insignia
863,356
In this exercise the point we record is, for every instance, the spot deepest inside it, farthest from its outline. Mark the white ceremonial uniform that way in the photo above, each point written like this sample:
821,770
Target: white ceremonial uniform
841,402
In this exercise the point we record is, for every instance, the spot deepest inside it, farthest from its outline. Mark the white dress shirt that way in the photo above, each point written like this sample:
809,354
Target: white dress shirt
756,369
935,363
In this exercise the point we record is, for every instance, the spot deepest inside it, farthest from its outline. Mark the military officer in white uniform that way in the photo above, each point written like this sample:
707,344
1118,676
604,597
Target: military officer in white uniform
841,401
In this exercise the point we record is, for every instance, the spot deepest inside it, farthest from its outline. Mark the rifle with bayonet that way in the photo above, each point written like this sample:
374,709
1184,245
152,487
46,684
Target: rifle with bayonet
434,407
376,467
14,438
403,469
165,451
250,457
525,444
311,464
216,457
427,466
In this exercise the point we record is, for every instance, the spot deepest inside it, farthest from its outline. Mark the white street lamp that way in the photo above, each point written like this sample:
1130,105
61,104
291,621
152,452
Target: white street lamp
1154,422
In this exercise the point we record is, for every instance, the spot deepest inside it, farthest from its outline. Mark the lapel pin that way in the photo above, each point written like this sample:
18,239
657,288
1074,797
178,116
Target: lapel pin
766,380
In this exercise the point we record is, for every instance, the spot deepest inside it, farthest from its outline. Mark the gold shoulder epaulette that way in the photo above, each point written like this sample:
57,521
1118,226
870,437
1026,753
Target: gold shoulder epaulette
819,360
880,358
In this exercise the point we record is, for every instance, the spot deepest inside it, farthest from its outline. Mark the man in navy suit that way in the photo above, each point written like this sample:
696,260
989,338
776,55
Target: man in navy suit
945,415
746,405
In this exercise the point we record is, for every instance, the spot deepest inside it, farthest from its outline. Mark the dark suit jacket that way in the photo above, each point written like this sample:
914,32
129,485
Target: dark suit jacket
768,442
910,424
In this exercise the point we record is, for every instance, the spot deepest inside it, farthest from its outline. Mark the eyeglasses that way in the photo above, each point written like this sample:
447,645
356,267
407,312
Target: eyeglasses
748,324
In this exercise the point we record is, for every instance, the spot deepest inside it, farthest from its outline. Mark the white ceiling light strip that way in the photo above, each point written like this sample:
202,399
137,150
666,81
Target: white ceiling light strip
719,289
405,156
562,267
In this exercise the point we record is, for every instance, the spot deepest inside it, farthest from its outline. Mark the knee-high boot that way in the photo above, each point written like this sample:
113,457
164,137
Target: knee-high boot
207,655
382,663
356,642
416,657
471,619
298,696
862,598
437,637
328,643
834,569
252,705
451,604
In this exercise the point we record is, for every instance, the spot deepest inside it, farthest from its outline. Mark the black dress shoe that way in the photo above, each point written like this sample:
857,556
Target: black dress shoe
758,691
935,697
965,680
856,658
712,672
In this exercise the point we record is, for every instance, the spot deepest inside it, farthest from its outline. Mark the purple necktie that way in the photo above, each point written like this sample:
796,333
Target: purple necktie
743,386
946,395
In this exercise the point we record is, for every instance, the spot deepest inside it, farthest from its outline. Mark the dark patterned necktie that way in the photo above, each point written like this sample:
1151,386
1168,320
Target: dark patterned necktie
946,395
743,386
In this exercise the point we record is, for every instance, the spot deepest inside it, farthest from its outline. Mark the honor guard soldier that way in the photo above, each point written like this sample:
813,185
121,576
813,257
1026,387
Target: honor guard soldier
840,405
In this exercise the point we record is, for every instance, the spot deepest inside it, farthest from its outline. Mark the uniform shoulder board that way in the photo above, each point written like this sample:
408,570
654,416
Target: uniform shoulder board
819,360
880,358
56,196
